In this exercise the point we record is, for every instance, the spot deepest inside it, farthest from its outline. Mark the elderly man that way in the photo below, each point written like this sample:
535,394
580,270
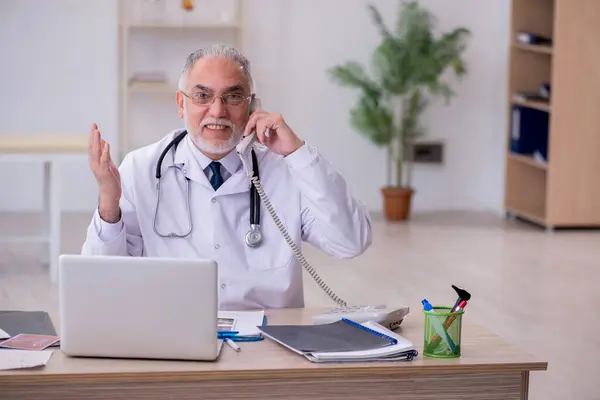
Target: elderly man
206,208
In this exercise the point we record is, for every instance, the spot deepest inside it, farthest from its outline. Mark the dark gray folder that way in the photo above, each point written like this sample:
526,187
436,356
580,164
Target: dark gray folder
32,322
337,336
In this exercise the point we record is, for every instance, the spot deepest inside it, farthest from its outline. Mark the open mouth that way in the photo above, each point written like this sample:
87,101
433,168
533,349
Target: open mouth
216,127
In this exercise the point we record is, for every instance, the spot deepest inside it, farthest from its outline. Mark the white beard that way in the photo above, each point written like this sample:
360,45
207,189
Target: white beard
223,147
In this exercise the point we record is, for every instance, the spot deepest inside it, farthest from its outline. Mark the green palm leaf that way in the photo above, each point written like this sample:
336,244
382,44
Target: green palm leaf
373,121
408,66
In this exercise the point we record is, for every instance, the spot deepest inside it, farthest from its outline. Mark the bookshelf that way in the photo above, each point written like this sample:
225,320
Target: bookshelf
155,38
564,189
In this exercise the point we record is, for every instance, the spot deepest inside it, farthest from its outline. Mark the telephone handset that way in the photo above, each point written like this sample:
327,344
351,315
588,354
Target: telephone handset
388,317
247,141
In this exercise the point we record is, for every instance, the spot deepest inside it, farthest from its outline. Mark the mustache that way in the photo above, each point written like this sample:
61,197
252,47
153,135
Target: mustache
216,121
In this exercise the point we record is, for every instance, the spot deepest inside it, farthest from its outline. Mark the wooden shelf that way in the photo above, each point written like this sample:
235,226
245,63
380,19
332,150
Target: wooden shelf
530,216
534,48
44,143
165,88
528,160
526,188
565,191
532,104
169,25
153,41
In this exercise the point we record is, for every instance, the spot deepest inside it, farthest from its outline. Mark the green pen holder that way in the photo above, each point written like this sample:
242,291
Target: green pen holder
442,332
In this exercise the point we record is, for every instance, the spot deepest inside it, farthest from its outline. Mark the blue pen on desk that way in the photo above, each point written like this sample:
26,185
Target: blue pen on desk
226,334
438,326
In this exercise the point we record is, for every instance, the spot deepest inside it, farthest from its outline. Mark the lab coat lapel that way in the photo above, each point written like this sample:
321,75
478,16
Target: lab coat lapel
191,167
239,182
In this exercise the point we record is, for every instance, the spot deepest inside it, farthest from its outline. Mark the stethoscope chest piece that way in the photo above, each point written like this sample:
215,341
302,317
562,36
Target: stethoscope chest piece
254,236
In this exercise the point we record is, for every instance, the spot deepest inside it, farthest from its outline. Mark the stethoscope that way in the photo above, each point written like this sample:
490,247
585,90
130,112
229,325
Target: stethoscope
254,236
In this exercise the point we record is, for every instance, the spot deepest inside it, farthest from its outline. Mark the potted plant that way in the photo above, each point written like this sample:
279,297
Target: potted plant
408,68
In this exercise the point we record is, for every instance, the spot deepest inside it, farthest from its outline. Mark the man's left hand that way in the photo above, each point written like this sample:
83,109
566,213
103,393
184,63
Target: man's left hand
281,139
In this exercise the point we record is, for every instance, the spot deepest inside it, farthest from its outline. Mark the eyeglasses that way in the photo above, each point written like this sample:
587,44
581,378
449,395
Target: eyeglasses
206,100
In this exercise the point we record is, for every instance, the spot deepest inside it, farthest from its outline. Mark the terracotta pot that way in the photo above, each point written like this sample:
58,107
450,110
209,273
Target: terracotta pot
397,203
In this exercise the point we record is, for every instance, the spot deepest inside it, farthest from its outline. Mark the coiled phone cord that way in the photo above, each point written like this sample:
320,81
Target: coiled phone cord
288,239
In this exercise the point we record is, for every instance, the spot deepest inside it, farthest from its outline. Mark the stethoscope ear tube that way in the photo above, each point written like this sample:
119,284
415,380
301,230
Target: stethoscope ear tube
174,142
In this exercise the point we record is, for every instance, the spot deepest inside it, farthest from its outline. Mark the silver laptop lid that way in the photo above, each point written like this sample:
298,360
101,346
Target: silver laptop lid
138,307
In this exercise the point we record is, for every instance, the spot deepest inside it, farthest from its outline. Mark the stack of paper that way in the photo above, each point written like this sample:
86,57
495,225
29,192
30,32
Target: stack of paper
18,359
246,323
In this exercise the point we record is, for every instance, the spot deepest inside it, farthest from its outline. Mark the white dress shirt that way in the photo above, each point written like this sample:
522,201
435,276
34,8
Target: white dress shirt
229,164
310,197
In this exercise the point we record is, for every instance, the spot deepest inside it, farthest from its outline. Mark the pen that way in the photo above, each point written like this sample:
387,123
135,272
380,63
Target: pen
225,335
232,344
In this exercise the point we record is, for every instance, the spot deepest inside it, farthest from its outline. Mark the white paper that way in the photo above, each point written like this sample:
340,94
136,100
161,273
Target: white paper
226,324
4,335
19,359
246,322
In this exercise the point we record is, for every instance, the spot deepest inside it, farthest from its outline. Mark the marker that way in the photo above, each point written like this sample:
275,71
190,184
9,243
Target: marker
460,306
225,335
232,344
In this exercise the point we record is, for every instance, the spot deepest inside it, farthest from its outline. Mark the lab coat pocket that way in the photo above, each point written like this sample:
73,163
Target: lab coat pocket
274,253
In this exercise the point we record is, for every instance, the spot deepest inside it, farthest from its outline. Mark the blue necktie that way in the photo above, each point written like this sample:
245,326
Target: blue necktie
216,179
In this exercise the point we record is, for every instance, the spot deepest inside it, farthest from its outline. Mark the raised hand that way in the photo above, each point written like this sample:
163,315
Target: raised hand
281,139
107,176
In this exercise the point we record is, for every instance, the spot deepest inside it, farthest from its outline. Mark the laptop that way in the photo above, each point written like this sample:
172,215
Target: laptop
138,307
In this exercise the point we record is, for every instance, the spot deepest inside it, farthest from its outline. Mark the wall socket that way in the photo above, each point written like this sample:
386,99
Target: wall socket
428,153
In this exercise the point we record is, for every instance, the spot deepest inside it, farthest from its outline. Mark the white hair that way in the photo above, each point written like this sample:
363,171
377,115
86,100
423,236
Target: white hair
229,53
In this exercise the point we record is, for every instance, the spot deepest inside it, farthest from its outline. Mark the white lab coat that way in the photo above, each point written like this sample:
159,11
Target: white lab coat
310,197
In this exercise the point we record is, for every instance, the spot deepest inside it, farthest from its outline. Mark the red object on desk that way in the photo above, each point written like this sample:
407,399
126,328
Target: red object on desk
450,319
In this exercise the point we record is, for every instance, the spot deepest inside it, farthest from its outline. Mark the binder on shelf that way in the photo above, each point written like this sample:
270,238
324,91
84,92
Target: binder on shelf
342,341
529,131
526,37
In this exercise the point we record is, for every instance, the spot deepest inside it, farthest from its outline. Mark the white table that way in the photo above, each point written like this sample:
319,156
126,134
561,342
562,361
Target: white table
47,150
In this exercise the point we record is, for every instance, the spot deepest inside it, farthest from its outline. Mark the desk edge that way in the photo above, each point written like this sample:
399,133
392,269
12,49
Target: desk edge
29,377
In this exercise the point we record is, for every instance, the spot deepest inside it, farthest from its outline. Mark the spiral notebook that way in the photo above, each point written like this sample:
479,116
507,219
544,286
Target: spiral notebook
343,340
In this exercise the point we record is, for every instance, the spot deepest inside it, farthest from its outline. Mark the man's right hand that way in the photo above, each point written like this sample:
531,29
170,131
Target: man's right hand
107,176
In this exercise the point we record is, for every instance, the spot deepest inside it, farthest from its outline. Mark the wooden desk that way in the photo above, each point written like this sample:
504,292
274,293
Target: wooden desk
48,150
490,368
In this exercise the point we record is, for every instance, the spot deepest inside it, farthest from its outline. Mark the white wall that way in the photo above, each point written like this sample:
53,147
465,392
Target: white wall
58,75
291,45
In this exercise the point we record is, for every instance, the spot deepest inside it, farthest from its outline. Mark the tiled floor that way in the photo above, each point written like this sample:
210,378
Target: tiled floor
536,289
